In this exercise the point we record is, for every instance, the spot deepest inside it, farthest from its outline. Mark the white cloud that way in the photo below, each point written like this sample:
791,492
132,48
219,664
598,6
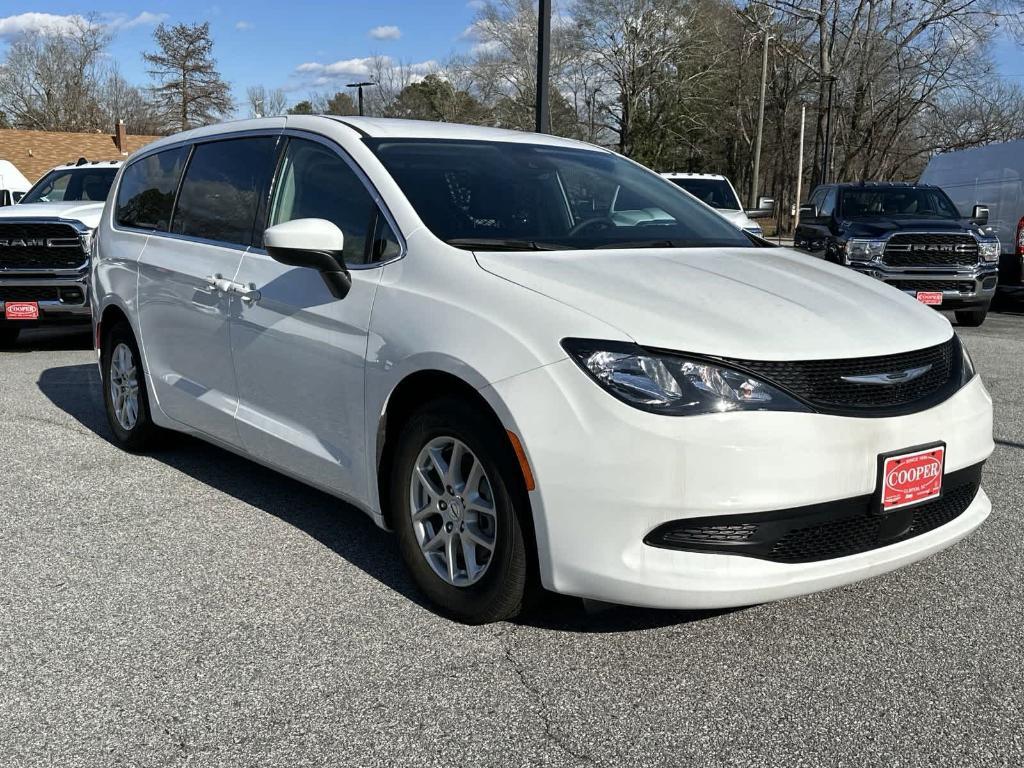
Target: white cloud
143,19
315,74
56,24
44,23
243,25
386,32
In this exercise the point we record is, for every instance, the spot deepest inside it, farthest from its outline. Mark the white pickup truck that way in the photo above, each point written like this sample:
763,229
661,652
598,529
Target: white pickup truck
44,247
13,185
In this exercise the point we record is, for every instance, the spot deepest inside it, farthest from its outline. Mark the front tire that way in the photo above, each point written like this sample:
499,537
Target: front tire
124,392
453,506
971,318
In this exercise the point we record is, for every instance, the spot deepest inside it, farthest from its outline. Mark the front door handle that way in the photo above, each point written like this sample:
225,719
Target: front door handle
247,293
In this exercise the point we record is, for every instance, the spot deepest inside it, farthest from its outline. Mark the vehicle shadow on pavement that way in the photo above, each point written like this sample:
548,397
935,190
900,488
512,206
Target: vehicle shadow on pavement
75,389
76,337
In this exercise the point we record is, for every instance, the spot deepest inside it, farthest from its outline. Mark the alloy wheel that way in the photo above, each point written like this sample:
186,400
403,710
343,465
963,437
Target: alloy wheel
124,387
454,518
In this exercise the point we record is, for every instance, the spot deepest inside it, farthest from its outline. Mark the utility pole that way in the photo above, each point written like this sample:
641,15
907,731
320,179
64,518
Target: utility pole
800,167
826,160
755,181
359,86
543,114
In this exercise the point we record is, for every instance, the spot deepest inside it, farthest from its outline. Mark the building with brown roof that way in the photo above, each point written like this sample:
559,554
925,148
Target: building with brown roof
36,152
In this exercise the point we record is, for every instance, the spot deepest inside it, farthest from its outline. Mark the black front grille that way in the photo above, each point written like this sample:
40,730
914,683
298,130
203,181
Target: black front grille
820,382
821,531
931,250
40,245
28,293
963,286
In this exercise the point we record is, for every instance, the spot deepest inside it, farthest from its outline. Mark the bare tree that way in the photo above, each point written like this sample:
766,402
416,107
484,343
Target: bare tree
264,103
52,82
189,90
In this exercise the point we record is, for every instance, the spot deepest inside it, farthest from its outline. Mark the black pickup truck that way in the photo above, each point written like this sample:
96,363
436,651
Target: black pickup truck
909,235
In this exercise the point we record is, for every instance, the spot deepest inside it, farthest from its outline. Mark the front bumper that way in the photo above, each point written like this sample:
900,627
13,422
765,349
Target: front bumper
607,475
968,288
60,299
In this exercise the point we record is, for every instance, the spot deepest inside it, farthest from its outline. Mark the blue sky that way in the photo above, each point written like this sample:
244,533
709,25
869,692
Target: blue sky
300,46
263,43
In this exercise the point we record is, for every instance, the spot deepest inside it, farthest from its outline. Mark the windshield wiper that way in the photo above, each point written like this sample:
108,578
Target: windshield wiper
640,244
499,244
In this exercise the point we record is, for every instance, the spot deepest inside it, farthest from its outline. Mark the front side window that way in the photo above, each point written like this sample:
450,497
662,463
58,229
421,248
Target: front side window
511,196
717,193
85,184
901,202
145,197
316,183
223,185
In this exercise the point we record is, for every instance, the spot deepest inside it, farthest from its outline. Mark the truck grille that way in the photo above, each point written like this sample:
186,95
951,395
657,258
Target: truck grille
28,293
963,286
40,245
820,382
931,250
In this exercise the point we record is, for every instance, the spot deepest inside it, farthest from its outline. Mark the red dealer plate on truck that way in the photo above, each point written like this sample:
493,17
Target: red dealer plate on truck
21,310
931,298
912,477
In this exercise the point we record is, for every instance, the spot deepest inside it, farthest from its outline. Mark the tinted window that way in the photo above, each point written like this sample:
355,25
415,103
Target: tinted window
715,192
502,195
223,185
829,206
86,184
904,202
316,183
146,195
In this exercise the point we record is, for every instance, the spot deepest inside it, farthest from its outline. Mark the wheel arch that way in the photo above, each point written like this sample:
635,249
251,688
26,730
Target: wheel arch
412,392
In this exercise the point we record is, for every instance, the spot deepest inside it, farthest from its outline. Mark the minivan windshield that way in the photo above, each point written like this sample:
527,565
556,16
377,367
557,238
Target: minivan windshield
487,195
902,202
717,193
86,184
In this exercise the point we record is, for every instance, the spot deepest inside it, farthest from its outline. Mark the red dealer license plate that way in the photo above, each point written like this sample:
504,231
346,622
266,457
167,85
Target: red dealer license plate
931,298
912,477
21,310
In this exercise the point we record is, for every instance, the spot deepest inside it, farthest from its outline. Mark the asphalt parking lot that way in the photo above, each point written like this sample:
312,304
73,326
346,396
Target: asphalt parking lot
191,608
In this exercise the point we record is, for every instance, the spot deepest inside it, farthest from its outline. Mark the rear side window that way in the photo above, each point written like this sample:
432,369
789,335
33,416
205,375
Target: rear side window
222,189
316,183
146,195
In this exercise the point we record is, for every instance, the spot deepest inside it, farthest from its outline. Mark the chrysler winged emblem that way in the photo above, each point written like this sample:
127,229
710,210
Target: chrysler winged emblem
893,377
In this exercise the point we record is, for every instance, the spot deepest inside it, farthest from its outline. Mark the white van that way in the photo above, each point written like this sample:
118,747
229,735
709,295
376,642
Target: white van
992,176
13,184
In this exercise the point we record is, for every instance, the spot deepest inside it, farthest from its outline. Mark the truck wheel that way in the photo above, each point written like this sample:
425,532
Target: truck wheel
970,318
124,391
8,337
453,507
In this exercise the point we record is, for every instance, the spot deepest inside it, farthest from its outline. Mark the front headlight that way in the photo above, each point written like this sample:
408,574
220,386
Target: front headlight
864,250
988,250
674,386
755,229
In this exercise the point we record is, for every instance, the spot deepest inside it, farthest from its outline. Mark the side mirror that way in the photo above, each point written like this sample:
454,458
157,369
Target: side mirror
980,215
765,208
808,211
313,243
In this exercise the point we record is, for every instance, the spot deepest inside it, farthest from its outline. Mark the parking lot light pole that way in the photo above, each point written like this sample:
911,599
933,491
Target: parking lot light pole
359,86
755,181
543,114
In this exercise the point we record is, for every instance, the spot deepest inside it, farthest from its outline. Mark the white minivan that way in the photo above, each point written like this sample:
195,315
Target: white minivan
537,362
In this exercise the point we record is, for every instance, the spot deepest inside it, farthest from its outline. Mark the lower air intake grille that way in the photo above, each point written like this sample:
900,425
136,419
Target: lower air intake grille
819,532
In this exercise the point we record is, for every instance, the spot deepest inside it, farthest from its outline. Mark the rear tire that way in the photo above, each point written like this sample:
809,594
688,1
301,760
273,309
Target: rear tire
470,562
8,337
124,392
971,318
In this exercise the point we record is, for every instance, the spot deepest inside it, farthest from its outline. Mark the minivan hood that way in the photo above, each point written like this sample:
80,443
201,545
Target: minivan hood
753,303
86,212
